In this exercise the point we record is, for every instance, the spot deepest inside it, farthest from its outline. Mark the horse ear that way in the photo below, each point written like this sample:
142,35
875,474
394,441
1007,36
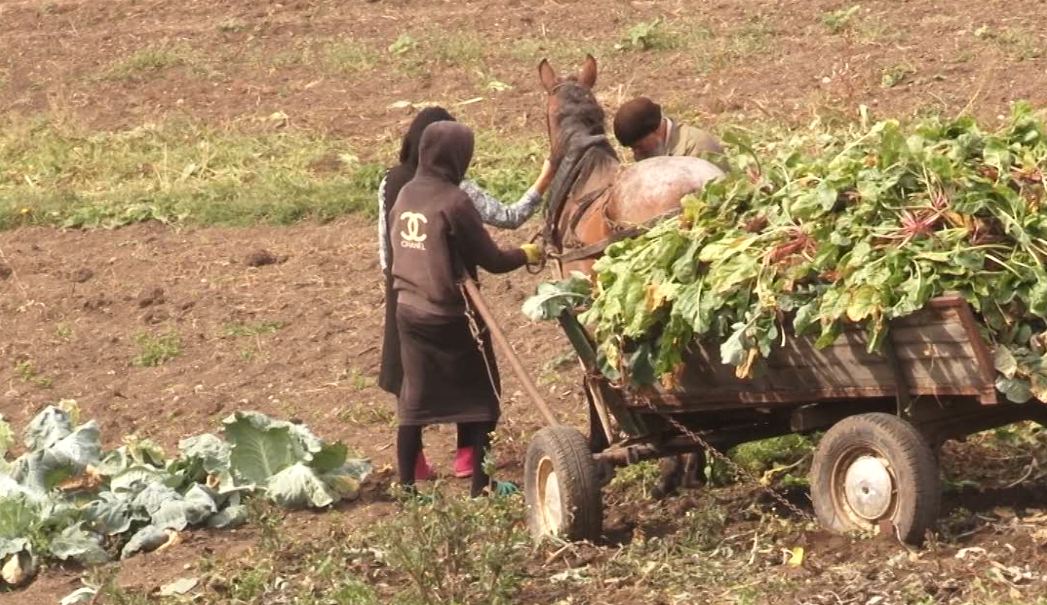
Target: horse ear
588,75
547,76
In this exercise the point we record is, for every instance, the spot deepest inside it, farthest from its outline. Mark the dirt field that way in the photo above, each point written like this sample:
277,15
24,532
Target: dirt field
295,339
300,338
327,65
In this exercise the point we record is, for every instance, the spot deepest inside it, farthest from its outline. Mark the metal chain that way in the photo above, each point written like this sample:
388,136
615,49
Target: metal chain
731,464
474,329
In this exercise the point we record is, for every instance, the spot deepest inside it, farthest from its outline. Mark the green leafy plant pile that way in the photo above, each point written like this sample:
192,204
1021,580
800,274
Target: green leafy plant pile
810,232
66,498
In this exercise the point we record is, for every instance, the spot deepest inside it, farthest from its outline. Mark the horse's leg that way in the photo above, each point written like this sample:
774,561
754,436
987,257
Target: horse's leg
681,470
694,469
670,476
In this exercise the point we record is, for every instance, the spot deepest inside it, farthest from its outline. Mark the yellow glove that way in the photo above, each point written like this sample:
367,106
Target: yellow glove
533,253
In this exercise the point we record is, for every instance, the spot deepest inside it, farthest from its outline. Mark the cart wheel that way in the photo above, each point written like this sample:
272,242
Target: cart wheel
874,467
561,486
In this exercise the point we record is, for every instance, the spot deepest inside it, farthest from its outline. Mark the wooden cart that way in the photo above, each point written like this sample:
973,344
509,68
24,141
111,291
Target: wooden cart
884,416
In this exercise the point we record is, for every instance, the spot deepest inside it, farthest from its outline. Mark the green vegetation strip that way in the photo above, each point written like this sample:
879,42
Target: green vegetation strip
181,172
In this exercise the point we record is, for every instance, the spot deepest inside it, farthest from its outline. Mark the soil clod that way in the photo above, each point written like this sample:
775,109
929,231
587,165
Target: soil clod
149,297
261,258
155,316
81,275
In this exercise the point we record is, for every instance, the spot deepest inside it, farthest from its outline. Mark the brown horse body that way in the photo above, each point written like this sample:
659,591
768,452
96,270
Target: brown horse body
603,199
593,199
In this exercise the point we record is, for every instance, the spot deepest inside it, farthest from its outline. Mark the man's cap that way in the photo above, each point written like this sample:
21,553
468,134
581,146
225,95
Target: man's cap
636,119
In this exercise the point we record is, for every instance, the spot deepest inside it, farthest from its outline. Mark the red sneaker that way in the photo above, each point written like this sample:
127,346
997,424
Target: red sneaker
463,462
422,470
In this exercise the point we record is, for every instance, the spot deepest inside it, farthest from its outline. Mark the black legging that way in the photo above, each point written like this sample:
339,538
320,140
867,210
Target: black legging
475,434
465,439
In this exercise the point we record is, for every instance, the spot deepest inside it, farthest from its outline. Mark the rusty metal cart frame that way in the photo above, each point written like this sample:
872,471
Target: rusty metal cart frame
884,416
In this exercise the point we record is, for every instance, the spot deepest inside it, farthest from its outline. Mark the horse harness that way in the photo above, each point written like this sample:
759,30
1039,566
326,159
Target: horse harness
621,233
562,184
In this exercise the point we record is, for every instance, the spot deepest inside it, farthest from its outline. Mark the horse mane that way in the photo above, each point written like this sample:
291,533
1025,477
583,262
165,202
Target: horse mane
578,116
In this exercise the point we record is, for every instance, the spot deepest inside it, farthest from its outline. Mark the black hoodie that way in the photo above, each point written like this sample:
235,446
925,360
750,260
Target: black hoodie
402,173
436,232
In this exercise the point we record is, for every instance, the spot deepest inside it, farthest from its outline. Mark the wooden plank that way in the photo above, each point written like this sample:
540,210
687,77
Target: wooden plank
932,332
939,351
986,367
728,399
929,350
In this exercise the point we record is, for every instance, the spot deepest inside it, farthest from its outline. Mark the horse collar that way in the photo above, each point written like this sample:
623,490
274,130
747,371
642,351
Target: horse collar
566,176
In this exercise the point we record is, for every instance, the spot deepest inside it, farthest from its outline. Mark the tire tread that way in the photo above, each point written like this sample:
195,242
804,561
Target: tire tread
577,476
910,451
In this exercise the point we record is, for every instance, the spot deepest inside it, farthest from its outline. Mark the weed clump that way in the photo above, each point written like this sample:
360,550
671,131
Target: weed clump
30,374
648,35
260,328
347,57
455,550
839,20
156,349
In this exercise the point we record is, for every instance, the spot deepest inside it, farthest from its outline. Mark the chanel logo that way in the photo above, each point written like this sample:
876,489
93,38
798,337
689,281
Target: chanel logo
413,236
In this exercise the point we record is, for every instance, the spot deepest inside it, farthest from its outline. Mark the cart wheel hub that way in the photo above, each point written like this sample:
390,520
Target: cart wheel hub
549,498
868,487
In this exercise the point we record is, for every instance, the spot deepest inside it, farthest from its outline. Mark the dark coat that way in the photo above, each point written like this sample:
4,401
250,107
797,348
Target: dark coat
391,374
438,238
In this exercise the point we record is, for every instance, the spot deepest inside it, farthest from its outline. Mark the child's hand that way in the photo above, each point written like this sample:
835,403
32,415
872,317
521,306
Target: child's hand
545,178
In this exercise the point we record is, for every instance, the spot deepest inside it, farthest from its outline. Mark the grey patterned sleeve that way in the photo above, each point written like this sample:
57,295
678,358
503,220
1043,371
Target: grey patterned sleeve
497,214
382,231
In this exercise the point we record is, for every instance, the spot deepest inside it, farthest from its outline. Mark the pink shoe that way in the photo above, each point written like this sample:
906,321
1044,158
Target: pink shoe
463,462
422,470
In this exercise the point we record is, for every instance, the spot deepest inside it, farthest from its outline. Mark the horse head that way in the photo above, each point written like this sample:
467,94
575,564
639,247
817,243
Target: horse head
585,160
571,108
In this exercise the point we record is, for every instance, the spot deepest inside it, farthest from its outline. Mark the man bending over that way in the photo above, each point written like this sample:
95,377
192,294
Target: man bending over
640,126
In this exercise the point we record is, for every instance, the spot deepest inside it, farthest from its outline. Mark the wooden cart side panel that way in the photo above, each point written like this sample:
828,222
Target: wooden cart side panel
981,352
939,354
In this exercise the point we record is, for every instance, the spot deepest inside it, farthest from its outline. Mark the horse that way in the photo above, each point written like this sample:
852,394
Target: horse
593,202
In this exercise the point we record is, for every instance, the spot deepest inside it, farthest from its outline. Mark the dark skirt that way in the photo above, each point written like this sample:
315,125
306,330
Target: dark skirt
445,376
391,374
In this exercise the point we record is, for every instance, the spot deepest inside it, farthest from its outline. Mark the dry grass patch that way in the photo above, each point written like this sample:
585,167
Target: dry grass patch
149,61
347,56
1017,44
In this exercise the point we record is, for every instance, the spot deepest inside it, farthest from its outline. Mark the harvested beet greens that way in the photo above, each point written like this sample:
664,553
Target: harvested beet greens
818,229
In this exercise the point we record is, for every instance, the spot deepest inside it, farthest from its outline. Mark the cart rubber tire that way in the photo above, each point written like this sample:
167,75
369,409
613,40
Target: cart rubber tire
561,486
874,467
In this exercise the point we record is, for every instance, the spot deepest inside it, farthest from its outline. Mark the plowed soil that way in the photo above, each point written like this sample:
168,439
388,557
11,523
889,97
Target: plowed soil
298,338
239,61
